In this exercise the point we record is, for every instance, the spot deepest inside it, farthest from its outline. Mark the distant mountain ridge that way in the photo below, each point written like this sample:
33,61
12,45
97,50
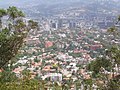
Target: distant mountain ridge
53,6
47,2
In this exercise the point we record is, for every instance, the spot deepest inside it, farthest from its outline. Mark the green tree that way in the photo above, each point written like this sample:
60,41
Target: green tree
113,84
2,13
113,53
12,37
14,13
9,81
96,65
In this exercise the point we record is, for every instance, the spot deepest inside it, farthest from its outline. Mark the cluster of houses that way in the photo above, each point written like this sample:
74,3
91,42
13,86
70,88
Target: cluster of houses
58,56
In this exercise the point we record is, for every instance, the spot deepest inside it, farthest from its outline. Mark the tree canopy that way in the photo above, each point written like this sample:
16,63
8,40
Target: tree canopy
13,32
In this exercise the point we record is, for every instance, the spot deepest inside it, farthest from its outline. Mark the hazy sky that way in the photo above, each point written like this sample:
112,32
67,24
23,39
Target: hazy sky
24,2
47,2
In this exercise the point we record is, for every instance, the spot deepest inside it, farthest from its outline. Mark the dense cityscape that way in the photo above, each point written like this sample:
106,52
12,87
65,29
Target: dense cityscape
68,38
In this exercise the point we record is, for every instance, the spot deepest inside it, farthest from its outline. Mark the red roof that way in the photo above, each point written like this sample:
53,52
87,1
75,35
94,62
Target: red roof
48,44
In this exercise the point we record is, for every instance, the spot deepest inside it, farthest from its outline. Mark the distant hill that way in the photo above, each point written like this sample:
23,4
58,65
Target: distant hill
20,3
54,6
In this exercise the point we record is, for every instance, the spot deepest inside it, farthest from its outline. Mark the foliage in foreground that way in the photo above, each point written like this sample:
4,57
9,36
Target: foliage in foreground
12,33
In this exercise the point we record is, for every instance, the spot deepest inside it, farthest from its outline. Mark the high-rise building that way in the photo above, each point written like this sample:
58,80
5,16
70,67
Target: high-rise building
72,24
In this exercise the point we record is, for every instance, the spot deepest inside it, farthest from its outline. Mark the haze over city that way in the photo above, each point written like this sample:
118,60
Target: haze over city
60,45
